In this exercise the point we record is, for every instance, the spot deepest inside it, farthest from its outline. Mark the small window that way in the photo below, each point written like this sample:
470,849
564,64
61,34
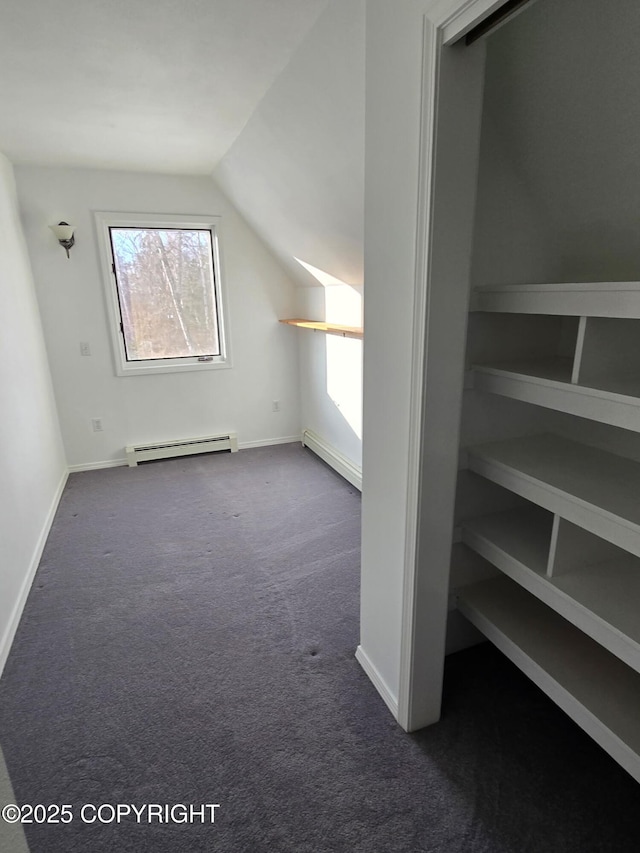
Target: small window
164,293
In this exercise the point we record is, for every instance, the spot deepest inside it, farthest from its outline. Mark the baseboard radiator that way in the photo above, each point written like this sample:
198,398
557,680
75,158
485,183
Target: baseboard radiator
180,447
345,467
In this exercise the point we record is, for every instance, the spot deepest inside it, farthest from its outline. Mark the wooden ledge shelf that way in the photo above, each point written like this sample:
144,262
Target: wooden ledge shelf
585,299
328,328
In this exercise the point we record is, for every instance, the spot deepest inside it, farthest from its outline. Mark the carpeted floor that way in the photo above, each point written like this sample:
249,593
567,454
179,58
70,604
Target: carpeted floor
12,837
189,639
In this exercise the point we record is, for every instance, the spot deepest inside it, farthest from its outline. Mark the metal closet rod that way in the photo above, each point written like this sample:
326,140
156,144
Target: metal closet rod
495,19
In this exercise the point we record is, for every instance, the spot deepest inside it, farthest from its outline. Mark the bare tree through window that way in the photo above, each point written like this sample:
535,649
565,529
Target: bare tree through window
166,285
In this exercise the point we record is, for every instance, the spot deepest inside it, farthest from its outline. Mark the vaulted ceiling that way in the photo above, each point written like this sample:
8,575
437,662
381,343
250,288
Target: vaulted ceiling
152,85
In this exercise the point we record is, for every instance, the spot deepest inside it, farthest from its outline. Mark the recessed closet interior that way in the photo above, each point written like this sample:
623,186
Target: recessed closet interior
546,560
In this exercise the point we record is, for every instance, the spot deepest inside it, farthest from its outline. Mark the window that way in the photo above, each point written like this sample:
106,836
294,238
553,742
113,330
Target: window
164,292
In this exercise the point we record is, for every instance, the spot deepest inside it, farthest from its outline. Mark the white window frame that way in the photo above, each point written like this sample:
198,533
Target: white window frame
105,221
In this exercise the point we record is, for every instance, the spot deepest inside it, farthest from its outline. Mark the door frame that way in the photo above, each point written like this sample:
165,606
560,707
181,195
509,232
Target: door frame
451,94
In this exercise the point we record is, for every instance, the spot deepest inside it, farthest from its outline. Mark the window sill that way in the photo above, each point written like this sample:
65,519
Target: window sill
151,369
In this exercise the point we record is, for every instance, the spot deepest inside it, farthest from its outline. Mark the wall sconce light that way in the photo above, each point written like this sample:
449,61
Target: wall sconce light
64,233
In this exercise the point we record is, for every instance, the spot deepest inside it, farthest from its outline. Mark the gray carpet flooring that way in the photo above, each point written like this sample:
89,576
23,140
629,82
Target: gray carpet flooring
190,639
12,837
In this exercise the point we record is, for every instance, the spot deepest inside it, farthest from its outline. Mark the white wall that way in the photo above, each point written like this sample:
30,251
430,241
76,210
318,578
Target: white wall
393,109
71,297
563,95
296,172
396,608
31,453
331,369
514,241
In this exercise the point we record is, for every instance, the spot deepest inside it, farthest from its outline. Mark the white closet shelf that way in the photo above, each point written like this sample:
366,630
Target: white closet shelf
599,599
547,382
555,369
599,692
594,489
585,299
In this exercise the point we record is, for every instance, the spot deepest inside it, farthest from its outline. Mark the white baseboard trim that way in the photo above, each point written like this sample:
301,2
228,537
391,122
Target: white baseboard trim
96,466
242,445
16,613
378,681
345,467
267,442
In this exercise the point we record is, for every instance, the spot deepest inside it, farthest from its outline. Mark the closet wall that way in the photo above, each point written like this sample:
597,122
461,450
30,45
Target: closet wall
548,493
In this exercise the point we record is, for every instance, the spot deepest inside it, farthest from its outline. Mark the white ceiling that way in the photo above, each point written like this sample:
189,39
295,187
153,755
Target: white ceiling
152,85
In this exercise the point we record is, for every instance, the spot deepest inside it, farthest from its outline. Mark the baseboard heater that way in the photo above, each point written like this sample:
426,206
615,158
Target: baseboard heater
180,447
345,467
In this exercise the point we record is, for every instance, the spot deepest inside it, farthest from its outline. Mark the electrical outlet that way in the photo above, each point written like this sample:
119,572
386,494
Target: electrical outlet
275,406
96,423
85,349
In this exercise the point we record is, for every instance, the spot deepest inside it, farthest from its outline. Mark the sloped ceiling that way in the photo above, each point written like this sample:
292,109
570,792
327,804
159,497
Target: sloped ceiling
296,172
145,85
563,91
